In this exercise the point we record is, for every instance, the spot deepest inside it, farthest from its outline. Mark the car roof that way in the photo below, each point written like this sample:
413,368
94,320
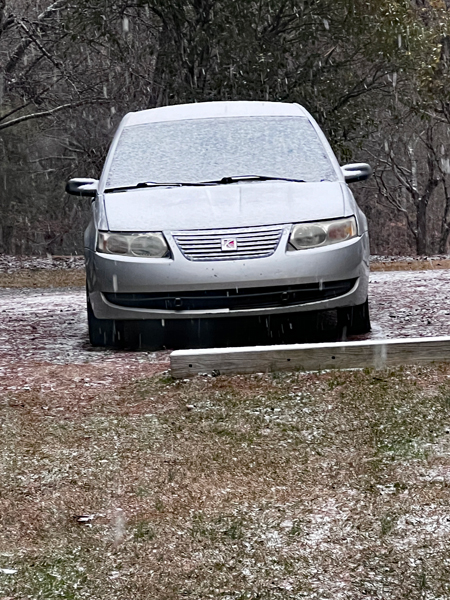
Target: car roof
205,110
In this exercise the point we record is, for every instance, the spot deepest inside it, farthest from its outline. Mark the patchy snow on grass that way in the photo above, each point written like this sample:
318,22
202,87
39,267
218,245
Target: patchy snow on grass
422,525
13,264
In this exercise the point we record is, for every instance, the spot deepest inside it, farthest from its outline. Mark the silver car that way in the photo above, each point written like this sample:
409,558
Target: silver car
223,216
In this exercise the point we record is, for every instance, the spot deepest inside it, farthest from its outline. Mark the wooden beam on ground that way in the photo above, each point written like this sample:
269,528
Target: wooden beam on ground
310,357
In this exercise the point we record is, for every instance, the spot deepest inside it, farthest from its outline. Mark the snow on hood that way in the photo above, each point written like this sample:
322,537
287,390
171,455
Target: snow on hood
224,206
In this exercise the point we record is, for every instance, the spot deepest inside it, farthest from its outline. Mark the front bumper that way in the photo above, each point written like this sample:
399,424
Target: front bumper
110,275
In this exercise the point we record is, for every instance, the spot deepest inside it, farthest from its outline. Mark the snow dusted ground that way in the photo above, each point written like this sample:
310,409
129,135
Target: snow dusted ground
409,304
41,328
377,258
13,264
49,325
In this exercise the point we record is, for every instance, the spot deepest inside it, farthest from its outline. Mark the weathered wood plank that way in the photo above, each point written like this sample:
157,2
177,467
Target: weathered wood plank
311,357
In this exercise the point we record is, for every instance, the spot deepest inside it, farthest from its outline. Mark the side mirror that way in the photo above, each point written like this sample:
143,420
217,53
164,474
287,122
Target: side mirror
82,187
356,172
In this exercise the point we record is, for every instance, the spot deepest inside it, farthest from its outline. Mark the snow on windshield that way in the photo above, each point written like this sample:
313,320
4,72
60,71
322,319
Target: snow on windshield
209,149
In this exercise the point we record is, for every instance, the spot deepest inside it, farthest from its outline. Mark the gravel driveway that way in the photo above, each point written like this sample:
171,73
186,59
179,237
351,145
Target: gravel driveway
44,331
410,303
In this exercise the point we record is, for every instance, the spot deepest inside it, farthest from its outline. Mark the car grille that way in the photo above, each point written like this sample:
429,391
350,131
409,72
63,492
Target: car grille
252,242
236,298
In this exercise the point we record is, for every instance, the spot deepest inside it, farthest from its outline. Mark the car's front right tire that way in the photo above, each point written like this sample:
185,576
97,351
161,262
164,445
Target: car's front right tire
355,320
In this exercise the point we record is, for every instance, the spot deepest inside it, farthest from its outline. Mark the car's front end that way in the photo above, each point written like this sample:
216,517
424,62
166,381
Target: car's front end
228,272
184,247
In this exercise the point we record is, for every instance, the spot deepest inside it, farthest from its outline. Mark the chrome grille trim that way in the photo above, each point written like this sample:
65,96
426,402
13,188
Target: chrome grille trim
252,242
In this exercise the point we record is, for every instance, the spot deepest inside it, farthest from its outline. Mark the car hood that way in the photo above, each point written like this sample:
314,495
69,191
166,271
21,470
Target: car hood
224,206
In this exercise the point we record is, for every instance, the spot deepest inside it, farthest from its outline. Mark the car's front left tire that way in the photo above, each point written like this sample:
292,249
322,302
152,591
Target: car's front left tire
102,332
112,333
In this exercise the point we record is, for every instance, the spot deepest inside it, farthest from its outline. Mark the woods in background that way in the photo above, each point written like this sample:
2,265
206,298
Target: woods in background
374,74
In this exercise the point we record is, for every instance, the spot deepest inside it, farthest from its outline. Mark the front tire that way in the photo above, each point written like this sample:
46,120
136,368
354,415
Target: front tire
123,334
355,320
102,332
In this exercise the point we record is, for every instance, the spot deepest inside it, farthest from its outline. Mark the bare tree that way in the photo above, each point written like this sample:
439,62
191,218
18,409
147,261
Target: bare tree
69,70
411,171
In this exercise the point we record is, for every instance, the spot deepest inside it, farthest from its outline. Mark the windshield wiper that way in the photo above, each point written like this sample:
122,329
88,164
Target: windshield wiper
237,178
223,181
149,184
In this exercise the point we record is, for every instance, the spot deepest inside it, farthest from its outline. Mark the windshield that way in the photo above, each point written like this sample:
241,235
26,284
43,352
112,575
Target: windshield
210,149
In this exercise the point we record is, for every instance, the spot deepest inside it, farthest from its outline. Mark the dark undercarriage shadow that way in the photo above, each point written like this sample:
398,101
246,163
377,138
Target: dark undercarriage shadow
312,327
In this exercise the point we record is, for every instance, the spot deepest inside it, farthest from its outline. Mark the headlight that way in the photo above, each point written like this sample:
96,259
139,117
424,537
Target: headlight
147,245
322,233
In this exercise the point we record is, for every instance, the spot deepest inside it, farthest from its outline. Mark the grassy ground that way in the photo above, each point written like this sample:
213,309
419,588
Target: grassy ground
332,485
410,265
41,278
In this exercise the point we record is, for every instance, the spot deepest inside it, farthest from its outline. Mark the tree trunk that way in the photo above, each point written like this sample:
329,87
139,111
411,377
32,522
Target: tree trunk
421,239
443,240
445,225
423,200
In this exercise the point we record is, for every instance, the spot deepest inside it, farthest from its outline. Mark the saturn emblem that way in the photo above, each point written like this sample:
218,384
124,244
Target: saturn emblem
228,244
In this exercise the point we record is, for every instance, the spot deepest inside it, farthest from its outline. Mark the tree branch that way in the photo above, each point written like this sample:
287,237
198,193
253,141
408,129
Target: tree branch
25,43
48,113
6,22
26,104
385,190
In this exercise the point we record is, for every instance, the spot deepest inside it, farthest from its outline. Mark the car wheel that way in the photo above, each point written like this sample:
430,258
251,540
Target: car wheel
355,320
102,332
327,320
